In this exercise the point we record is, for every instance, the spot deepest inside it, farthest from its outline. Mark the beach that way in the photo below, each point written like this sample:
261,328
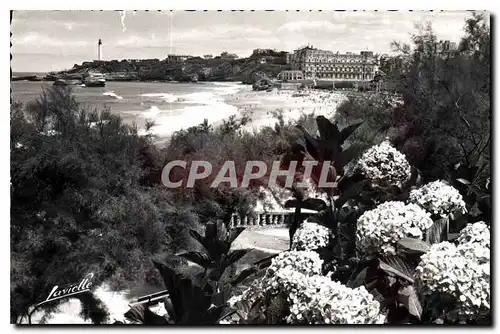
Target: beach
176,106
260,105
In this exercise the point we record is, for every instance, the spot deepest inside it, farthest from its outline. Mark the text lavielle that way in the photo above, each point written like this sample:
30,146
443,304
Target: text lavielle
83,286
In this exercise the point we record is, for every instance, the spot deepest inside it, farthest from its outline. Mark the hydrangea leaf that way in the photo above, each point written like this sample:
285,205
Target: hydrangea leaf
394,265
411,245
409,298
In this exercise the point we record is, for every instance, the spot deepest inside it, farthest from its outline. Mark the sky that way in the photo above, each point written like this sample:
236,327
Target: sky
56,40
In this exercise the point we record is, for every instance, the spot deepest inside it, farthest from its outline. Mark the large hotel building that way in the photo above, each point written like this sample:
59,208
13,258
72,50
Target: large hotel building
327,66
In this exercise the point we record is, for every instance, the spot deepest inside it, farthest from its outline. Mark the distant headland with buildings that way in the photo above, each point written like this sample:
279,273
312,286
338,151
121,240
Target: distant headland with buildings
305,64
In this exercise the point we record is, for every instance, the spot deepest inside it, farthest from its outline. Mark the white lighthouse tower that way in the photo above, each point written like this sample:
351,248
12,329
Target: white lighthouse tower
99,47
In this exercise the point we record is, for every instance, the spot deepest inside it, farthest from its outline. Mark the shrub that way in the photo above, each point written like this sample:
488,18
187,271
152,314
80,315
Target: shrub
384,166
438,198
80,201
455,280
310,237
379,230
294,292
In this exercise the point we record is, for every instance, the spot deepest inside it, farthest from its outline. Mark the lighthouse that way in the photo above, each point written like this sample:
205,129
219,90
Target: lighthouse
99,46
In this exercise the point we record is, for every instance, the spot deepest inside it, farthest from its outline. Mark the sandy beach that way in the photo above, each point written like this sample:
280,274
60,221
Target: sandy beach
260,105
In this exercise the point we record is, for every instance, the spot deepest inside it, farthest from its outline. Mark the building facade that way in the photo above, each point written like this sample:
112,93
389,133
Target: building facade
177,58
263,51
228,56
447,49
326,65
291,75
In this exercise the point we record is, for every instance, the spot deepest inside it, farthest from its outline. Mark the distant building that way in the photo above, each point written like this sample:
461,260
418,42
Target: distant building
177,58
291,75
209,56
99,49
326,65
262,60
263,51
228,56
447,48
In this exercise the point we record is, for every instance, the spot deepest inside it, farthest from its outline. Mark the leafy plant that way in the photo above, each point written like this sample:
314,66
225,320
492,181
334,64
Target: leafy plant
189,302
202,298
218,255
328,152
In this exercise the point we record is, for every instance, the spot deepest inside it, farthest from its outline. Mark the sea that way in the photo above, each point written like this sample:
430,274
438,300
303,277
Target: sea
172,106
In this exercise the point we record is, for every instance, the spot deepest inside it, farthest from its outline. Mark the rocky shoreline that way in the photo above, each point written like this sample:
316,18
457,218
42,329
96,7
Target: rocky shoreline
247,70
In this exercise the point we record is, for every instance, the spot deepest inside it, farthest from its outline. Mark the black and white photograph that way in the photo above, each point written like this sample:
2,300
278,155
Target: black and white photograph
250,167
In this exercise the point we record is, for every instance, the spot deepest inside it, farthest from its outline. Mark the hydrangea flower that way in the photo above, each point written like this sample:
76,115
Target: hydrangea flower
305,262
477,232
379,230
319,300
438,198
295,262
461,272
310,236
312,298
384,166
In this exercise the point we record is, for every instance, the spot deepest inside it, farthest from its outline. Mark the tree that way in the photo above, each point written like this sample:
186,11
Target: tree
80,201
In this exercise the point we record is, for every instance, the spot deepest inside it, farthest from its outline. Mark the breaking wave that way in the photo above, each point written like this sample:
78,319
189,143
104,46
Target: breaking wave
113,94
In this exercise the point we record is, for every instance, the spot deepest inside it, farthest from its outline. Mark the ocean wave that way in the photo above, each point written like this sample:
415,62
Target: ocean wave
152,112
113,94
164,96
225,88
219,89
204,98
166,125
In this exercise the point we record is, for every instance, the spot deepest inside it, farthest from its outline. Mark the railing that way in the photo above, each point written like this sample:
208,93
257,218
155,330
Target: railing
151,299
262,219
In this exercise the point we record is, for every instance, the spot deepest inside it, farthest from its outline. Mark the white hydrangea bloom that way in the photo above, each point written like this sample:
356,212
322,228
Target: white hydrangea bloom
319,300
438,198
306,262
295,262
477,232
379,230
310,236
312,298
461,271
384,166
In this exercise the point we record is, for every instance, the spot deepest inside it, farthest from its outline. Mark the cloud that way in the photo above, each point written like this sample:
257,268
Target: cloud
35,40
139,41
214,34
311,26
220,32
149,34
